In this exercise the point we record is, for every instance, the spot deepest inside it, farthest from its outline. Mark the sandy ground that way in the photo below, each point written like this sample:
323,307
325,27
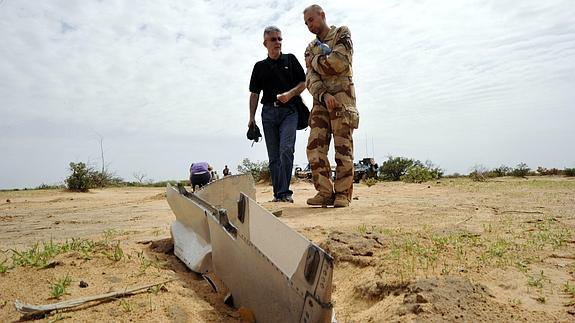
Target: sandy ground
451,250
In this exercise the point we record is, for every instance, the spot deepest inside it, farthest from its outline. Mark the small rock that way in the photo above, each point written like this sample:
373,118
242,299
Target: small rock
420,299
355,198
410,308
571,311
83,284
7,200
428,186
52,264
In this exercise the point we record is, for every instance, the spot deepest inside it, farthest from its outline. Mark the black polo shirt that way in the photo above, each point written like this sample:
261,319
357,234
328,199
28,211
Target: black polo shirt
276,76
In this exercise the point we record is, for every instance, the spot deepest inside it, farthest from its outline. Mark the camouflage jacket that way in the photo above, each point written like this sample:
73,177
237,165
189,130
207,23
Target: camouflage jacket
332,73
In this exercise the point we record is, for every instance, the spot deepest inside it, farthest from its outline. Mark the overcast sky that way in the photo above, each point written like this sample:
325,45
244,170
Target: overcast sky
165,83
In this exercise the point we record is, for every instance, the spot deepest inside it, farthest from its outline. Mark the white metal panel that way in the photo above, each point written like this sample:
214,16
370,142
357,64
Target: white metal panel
280,243
191,248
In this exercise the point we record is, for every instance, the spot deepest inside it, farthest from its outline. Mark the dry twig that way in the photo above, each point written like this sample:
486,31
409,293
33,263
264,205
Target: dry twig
33,310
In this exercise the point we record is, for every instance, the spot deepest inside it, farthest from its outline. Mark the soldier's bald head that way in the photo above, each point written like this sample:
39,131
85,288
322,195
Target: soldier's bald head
314,18
315,8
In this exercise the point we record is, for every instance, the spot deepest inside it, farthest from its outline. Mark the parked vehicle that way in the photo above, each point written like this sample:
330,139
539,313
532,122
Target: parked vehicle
365,168
303,173
306,172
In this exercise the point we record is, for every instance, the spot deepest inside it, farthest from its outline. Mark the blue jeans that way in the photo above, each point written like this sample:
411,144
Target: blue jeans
280,125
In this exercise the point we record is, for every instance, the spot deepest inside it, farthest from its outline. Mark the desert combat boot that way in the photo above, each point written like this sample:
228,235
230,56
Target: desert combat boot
341,201
321,200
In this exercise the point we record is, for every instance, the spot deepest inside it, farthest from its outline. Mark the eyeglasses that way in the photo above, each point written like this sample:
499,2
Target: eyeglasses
276,38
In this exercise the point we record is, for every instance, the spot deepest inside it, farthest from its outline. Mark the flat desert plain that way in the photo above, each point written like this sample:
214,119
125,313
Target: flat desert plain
447,250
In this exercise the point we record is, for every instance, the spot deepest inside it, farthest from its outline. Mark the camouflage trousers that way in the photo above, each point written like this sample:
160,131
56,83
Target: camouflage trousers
323,125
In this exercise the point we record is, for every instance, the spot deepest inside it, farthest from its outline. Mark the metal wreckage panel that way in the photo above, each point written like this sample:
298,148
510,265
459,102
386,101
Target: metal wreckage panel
268,267
190,232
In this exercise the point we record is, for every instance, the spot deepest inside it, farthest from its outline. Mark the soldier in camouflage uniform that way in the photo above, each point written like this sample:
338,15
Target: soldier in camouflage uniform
329,80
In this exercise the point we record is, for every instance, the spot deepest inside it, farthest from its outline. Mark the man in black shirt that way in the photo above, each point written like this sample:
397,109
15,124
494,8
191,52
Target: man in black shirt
282,79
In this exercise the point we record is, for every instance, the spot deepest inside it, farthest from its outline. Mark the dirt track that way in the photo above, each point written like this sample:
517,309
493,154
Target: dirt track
450,250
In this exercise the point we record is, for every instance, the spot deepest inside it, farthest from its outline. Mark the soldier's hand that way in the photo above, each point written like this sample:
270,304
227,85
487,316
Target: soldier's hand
330,101
284,97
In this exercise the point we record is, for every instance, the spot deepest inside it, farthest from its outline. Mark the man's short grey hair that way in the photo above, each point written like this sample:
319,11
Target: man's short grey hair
271,29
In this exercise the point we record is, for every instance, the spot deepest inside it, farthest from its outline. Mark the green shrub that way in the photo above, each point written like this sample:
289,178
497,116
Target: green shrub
500,171
550,171
569,172
50,187
84,177
479,173
418,174
436,172
394,168
522,170
105,179
80,179
259,170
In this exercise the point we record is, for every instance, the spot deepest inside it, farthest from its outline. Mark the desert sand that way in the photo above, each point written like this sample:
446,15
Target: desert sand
448,250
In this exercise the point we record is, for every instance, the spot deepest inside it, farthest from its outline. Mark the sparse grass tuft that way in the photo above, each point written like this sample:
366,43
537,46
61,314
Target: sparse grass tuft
569,289
58,288
39,255
126,306
409,255
116,253
370,181
3,266
145,263
537,280
156,289
109,234
57,317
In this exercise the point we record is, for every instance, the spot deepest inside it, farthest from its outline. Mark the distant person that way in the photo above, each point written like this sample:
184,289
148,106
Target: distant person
215,175
200,174
281,79
226,171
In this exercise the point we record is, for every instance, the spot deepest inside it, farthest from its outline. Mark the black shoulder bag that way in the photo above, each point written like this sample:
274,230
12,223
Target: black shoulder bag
302,113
